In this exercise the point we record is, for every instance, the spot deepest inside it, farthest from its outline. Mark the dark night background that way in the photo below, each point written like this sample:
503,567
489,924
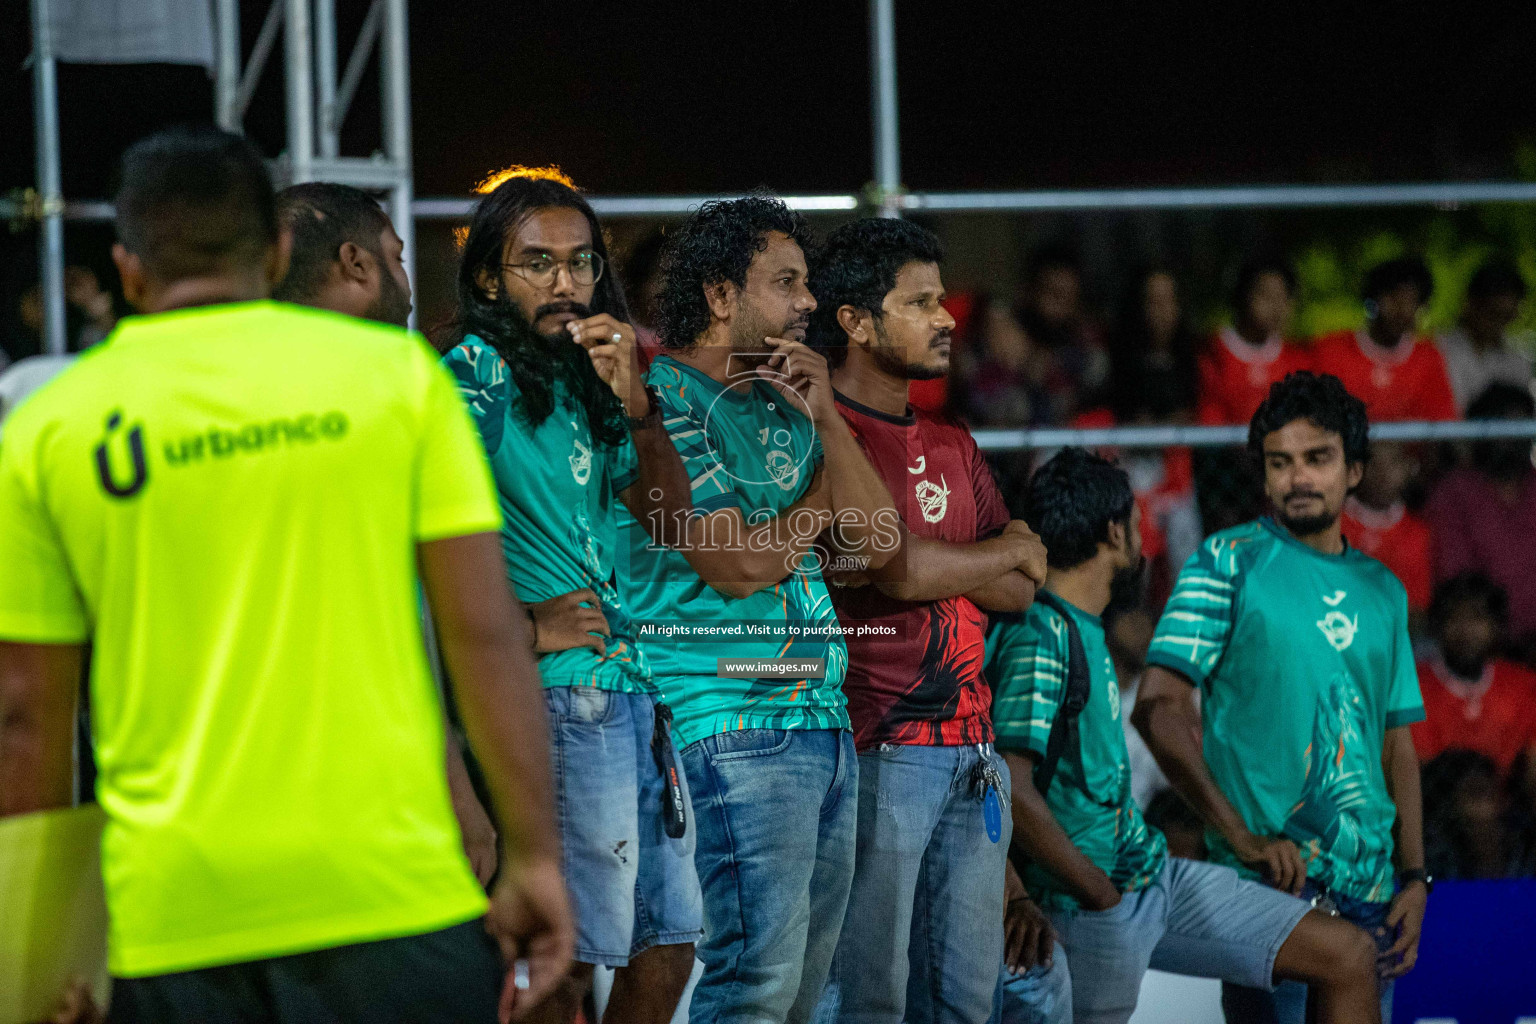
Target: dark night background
686,98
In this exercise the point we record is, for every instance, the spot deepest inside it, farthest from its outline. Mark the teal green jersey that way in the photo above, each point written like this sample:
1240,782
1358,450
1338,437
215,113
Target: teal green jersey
1305,662
757,453
559,493
1091,799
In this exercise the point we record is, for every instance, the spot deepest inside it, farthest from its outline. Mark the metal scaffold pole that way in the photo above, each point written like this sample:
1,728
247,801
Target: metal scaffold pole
50,241
395,83
882,60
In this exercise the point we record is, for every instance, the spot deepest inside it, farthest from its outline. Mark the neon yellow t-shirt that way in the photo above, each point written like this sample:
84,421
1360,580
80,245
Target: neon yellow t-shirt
226,501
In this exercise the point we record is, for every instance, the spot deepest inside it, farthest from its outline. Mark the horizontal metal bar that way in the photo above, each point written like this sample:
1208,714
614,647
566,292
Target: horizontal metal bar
1259,196
359,172
1216,437
1229,197
638,206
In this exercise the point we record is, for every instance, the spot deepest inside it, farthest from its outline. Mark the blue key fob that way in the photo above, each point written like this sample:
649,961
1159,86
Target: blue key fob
992,814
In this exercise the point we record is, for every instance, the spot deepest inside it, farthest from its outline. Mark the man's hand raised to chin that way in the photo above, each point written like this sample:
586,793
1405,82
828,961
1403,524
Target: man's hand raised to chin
616,358
800,373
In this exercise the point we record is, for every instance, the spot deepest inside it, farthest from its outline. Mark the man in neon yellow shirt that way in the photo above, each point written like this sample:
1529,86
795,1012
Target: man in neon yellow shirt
230,500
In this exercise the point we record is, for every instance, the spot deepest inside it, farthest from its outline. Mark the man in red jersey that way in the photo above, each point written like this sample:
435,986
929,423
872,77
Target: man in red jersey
1240,362
1473,699
926,912
1398,374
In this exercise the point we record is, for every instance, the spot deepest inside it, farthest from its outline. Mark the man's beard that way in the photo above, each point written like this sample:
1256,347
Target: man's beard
749,350
1306,526
576,309
393,306
891,360
1127,587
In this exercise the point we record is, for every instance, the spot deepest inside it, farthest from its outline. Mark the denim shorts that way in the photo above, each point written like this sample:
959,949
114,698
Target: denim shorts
1195,918
631,885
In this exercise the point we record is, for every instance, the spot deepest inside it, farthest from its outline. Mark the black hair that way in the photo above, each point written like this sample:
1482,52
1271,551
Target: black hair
1320,399
1501,400
1055,256
323,216
537,365
857,267
194,200
1072,500
717,243
1464,587
1393,274
1497,276
1248,276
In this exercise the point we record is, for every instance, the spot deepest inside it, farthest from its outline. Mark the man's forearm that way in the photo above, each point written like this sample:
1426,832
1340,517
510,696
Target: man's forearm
38,683
931,570
662,495
1171,728
1402,771
1013,591
1037,833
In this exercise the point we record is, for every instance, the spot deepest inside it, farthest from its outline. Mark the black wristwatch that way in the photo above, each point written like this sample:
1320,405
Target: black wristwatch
650,419
1416,875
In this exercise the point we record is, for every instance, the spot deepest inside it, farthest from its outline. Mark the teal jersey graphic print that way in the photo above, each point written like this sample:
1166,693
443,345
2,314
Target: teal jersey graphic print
559,494
758,453
1027,656
1305,662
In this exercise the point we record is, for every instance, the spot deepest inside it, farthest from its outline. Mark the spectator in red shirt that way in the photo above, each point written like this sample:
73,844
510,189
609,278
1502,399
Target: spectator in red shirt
1240,362
1474,700
1483,516
1399,374
1377,522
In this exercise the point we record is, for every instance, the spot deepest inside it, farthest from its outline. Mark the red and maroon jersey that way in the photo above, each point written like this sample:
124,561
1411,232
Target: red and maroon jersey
1408,382
920,682
1235,377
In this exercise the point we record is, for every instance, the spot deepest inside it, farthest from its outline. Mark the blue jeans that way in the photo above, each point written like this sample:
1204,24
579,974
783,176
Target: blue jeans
776,812
632,886
1287,1004
1041,995
925,920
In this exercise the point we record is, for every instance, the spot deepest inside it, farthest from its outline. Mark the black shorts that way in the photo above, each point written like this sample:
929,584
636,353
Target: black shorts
449,976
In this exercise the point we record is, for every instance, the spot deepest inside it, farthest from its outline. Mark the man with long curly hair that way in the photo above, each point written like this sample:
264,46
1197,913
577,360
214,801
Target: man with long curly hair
545,358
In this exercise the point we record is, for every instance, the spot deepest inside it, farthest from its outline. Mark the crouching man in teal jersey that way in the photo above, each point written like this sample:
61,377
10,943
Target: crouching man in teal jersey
1300,646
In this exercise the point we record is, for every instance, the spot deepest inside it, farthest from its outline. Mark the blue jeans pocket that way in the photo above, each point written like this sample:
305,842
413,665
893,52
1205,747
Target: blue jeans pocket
745,743
580,705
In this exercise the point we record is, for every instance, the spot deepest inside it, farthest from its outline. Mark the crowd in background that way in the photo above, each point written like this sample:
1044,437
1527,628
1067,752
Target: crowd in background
1453,521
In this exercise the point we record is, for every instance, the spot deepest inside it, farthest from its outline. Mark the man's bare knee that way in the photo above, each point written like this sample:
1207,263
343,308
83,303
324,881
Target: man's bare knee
1327,950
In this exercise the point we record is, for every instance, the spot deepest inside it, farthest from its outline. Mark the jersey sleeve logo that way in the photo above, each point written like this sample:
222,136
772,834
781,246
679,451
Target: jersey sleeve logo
135,441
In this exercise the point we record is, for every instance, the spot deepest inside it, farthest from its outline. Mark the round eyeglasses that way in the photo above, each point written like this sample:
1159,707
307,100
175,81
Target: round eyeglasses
540,271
